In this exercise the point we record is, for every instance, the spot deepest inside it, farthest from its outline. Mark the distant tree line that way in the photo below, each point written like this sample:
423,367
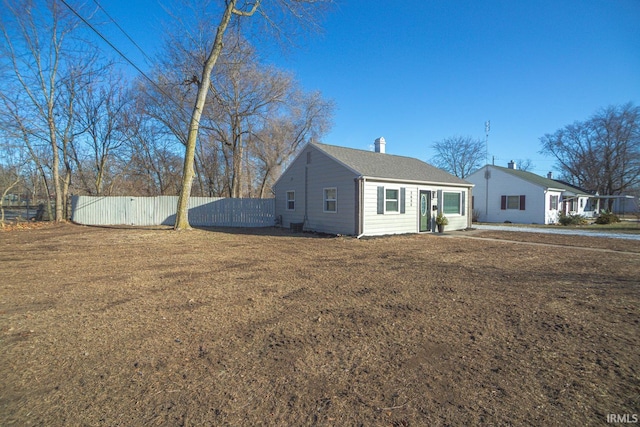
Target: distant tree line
72,123
600,154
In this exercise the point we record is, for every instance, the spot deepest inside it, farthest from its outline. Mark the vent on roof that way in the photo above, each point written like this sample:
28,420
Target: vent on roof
379,145
550,175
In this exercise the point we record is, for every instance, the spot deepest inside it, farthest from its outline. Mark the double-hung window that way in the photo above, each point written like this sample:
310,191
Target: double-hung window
391,200
553,203
330,200
291,200
512,202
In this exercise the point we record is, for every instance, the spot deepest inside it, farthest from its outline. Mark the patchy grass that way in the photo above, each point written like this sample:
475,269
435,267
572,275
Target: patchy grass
113,327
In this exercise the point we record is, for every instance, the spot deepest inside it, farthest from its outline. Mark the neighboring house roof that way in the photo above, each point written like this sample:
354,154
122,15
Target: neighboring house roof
573,189
388,166
533,178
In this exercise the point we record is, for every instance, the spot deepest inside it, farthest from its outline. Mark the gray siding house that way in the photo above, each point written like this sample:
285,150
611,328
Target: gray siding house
340,190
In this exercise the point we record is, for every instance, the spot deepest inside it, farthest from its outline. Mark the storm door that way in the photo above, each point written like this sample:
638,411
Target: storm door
425,210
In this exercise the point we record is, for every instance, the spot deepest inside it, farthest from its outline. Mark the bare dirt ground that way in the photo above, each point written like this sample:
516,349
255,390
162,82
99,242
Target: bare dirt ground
127,327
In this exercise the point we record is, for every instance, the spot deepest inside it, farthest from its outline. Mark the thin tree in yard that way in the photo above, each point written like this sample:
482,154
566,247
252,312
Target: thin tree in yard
602,153
234,11
459,155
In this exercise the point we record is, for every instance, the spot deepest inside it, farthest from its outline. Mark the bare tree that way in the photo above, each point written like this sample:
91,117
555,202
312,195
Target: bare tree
306,118
101,120
153,166
16,127
525,164
38,53
245,94
459,155
12,161
233,13
602,153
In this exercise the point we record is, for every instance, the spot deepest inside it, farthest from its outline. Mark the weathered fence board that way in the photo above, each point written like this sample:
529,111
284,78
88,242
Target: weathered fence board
161,210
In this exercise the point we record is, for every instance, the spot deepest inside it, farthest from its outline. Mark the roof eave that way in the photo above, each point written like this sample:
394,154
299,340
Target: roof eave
410,181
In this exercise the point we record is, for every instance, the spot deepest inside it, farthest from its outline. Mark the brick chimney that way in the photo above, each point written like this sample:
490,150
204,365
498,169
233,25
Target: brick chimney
550,175
379,145
512,165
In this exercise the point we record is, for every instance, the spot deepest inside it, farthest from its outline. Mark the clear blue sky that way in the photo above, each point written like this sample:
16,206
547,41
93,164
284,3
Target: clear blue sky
419,71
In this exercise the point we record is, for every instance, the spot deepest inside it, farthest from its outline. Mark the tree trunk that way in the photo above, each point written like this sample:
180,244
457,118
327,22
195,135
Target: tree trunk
182,215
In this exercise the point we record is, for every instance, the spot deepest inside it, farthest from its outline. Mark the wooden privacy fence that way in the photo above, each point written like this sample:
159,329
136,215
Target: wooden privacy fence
161,210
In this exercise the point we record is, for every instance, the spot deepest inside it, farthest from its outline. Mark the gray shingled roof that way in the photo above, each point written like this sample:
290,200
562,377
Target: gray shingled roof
571,188
388,166
532,177
541,181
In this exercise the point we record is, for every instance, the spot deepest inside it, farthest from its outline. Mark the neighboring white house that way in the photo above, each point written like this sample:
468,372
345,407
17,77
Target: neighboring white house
508,194
341,190
578,202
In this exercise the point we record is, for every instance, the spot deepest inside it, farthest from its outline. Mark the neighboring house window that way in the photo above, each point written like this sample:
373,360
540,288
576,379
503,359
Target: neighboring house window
452,203
512,202
391,200
331,199
291,200
553,203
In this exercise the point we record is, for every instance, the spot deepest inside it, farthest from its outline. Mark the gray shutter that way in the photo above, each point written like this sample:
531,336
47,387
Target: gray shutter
380,200
402,199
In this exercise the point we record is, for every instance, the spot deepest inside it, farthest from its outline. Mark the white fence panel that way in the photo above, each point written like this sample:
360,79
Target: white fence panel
161,210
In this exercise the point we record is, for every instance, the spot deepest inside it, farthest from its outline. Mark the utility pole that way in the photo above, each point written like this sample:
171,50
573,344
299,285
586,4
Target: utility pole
487,128
487,173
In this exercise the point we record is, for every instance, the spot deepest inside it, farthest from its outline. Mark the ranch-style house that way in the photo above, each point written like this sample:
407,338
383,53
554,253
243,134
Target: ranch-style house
340,190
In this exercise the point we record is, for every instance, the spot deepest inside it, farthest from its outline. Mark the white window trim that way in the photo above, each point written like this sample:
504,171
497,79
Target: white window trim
325,200
460,202
396,212
287,200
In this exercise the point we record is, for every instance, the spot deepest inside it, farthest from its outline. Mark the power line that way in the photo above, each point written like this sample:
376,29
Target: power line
110,44
123,31
123,55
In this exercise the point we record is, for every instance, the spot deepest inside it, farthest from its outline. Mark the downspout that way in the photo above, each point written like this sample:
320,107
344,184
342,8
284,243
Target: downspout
361,181
469,206
305,219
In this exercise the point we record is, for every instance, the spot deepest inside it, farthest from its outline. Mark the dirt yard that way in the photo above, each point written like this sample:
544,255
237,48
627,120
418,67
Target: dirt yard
144,327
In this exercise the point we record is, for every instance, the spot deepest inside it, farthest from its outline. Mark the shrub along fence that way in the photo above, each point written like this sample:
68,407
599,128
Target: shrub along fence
161,210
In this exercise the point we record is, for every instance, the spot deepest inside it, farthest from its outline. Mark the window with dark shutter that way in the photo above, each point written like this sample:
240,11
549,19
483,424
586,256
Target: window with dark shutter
503,202
402,199
522,202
